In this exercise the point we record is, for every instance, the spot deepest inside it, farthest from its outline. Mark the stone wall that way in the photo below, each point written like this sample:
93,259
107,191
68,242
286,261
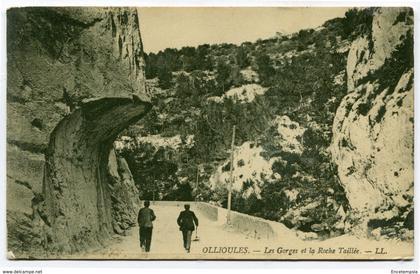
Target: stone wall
252,227
210,211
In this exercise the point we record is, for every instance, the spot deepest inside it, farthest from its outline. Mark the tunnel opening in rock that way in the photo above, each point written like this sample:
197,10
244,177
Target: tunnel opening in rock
78,196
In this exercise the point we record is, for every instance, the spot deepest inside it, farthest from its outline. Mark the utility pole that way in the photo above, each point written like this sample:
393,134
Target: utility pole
231,177
196,183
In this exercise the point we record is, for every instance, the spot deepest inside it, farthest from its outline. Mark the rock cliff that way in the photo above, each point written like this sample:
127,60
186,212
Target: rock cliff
373,127
75,80
252,168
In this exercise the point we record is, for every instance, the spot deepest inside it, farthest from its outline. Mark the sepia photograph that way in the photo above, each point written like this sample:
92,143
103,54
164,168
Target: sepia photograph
210,133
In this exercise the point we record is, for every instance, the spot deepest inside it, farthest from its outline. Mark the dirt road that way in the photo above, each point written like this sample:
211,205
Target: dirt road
217,241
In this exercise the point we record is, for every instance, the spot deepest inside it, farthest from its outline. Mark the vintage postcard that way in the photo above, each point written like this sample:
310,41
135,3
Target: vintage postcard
210,133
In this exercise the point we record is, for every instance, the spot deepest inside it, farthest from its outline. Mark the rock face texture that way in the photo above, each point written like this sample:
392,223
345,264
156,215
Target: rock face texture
75,80
251,169
124,194
373,128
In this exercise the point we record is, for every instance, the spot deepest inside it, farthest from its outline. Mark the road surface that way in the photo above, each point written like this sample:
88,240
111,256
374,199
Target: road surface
167,239
216,237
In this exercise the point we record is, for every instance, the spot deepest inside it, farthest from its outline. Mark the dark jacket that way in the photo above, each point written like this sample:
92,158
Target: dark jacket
146,217
186,220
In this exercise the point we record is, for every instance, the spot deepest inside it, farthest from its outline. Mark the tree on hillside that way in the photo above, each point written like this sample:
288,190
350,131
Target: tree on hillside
202,60
183,86
188,58
357,22
265,69
304,38
242,59
150,65
153,172
165,77
171,57
184,192
223,72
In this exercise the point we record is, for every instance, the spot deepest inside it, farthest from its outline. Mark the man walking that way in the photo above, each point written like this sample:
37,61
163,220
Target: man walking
145,220
186,221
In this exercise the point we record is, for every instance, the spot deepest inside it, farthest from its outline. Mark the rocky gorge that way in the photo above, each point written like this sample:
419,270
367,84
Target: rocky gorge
324,119
75,80
324,122
374,125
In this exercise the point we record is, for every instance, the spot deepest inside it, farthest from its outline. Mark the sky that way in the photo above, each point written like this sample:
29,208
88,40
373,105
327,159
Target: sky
177,27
